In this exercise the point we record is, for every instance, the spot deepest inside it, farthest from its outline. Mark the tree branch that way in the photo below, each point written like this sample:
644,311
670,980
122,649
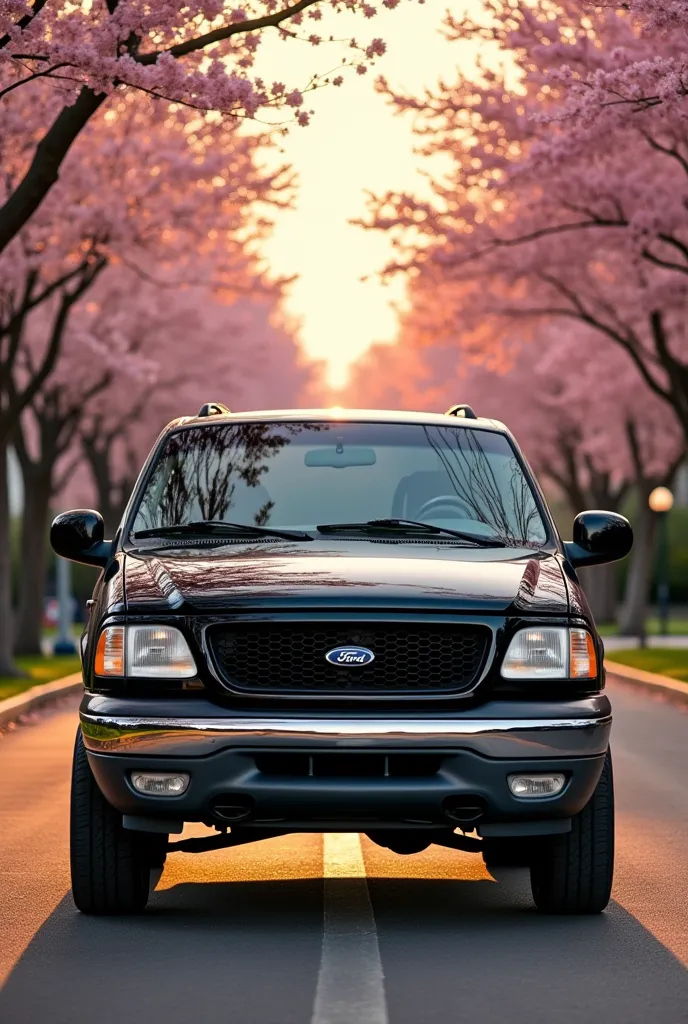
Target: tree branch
226,32
668,151
31,301
628,346
25,21
534,236
9,416
44,169
32,77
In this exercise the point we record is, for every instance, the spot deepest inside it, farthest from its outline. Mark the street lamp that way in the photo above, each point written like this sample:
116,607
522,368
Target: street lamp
63,642
661,501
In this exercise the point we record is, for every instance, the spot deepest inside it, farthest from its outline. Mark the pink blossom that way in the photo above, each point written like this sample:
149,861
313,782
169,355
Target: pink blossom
570,204
197,55
376,48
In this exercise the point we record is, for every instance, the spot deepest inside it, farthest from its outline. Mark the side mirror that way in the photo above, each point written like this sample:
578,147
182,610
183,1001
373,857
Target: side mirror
78,536
599,537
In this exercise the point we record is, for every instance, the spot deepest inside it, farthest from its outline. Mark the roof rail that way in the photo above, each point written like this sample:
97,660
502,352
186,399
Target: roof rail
462,410
213,409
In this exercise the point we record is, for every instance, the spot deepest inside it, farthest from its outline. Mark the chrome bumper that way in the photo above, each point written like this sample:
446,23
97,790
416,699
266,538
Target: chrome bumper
490,737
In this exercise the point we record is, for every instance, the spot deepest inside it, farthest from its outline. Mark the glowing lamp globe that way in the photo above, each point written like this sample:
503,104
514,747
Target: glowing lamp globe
661,499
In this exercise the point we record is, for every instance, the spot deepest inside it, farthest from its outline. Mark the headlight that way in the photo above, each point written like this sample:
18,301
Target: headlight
151,652
551,652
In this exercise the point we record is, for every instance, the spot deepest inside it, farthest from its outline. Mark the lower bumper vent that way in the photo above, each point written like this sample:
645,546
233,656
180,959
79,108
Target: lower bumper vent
332,766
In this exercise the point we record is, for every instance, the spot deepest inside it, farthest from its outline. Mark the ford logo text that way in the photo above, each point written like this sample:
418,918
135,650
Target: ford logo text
354,656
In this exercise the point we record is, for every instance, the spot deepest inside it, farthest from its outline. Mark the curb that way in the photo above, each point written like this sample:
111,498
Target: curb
648,680
38,697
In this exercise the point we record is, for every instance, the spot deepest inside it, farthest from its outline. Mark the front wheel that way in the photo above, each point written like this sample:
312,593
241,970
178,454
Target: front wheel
111,866
572,873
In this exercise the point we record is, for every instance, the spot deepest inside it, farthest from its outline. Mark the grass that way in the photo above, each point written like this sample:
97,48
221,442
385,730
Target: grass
666,661
39,669
677,627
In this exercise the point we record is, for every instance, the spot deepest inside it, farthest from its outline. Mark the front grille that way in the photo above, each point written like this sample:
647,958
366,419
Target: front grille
278,659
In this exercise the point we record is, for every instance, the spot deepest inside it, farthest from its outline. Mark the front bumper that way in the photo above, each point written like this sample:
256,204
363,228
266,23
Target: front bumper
477,751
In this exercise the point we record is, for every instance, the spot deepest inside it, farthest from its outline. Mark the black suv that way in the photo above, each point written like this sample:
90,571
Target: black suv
342,621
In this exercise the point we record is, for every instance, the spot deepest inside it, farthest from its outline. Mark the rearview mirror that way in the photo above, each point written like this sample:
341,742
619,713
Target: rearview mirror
78,536
336,459
599,537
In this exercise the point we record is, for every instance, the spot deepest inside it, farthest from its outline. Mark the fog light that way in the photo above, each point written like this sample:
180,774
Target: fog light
537,785
160,783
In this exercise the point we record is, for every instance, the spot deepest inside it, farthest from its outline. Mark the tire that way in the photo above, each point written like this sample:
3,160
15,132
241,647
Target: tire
572,873
111,866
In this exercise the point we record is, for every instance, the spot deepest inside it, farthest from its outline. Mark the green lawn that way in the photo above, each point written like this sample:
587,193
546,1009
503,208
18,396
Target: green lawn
666,661
39,669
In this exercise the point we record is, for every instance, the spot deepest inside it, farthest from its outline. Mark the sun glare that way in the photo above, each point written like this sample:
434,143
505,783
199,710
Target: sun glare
352,146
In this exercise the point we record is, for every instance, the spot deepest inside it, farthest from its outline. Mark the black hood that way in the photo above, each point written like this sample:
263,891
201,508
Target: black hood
346,575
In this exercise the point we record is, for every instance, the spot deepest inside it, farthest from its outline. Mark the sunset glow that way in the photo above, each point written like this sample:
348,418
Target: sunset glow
353,145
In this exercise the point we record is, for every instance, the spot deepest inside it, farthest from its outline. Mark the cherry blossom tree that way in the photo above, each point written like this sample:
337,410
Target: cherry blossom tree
637,76
142,189
200,56
578,407
175,200
104,339
103,413
551,209
245,356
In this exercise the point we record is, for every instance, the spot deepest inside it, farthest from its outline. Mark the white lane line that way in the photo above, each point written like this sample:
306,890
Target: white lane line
350,986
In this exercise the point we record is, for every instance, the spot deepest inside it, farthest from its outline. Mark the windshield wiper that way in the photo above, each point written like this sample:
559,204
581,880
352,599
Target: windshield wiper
219,528
409,527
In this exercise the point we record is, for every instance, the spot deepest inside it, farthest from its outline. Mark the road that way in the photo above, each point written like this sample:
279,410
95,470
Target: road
255,936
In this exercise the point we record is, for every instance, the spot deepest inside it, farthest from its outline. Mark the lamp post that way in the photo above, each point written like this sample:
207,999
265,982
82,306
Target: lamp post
661,501
64,643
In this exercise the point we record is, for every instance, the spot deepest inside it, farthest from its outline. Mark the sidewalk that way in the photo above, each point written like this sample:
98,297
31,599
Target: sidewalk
649,681
625,643
13,708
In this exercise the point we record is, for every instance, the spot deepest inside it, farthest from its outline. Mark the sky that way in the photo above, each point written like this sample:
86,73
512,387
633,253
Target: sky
353,144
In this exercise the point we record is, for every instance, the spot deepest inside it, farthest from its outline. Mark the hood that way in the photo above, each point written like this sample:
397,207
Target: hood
408,577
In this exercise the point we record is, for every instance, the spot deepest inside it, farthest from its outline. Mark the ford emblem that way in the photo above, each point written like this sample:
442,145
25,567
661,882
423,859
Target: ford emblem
353,656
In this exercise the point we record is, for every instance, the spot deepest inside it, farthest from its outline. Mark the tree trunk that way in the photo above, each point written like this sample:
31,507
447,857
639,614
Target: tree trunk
600,583
634,611
37,493
44,169
112,496
7,666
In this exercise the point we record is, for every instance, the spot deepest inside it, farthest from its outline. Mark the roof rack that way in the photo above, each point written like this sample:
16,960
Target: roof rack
462,410
213,409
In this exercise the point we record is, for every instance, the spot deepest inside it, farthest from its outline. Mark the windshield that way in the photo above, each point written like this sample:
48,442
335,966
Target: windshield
298,476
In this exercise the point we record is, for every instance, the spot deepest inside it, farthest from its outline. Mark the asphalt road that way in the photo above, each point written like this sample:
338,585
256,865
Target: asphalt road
256,936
